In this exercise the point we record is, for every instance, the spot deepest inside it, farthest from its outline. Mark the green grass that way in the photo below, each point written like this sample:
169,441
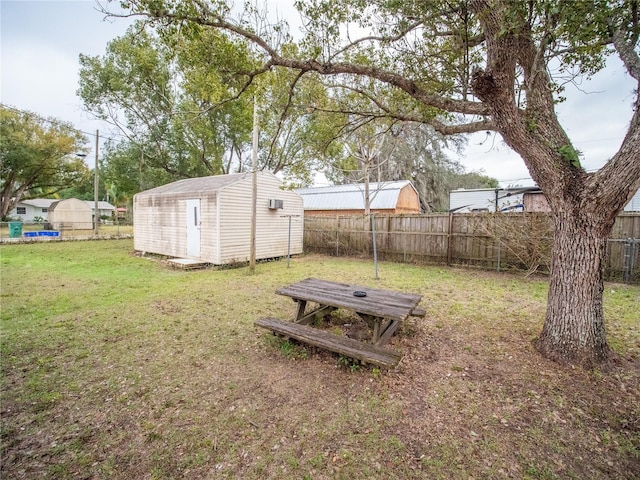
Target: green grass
116,366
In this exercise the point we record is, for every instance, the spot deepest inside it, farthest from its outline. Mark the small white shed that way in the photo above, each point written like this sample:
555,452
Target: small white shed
70,214
209,219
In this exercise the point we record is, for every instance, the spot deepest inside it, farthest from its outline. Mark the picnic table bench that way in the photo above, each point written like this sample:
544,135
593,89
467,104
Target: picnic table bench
382,310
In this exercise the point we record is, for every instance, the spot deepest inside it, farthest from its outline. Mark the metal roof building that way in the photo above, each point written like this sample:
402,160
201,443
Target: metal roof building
385,197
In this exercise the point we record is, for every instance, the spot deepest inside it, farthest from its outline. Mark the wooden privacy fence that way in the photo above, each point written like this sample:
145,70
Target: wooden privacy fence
492,241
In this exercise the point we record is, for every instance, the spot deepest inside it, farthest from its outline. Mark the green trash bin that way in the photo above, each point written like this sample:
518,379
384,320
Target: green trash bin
15,229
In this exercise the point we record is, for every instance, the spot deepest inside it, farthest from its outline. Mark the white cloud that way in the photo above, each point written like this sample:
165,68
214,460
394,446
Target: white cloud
41,42
41,79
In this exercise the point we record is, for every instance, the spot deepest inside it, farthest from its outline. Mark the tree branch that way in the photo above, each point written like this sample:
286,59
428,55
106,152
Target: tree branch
374,38
283,116
627,54
207,18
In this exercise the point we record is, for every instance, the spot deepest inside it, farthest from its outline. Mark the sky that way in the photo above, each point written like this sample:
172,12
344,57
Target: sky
40,42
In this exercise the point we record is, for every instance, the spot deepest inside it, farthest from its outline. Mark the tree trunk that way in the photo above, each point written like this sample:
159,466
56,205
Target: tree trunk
7,197
574,330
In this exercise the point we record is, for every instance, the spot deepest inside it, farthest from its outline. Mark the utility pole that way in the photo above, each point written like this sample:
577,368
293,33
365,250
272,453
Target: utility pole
254,190
96,215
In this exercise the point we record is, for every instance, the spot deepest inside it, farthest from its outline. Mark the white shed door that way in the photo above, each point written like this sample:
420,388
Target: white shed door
193,227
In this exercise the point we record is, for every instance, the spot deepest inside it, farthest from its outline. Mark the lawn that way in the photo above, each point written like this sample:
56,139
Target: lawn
116,366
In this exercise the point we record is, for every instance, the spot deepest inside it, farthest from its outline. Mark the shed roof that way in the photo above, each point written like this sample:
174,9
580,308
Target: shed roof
198,185
74,202
38,202
47,203
384,195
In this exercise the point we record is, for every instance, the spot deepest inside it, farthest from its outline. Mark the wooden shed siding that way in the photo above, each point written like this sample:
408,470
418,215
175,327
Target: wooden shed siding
535,202
408,201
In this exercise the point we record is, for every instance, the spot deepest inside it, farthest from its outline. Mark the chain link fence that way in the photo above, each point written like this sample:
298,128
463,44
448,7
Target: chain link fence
43,231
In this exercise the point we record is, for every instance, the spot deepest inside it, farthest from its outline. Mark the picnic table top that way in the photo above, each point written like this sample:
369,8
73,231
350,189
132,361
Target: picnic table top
377,303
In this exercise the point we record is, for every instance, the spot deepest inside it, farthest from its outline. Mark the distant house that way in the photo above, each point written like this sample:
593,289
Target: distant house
105,208
38,209
209,219
527,199
385,198
32,210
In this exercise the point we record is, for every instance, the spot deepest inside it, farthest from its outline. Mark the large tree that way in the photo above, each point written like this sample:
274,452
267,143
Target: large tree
464,66
176,94
160,92
37,157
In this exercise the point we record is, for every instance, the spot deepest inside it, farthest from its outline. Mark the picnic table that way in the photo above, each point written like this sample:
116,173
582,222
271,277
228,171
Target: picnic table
382,310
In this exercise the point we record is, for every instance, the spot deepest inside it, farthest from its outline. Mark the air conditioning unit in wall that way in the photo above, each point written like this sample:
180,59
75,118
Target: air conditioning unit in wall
275,204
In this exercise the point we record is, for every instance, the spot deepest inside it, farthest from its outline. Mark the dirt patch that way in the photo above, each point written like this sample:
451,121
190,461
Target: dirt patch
496,408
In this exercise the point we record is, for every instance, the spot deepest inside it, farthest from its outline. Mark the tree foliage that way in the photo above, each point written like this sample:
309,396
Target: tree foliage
183,96
184,100
160,91
37,157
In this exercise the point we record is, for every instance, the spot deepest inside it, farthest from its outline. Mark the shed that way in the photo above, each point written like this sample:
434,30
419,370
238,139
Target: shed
385,197
209,219
535,202
70,214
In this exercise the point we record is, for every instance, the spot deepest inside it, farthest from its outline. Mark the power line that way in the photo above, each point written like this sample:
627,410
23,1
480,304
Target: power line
503,180
599,140
60,123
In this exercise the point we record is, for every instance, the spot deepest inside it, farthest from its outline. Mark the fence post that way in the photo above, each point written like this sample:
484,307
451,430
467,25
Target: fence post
449,235
289,244
375,249
404,245
628,251
634,242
